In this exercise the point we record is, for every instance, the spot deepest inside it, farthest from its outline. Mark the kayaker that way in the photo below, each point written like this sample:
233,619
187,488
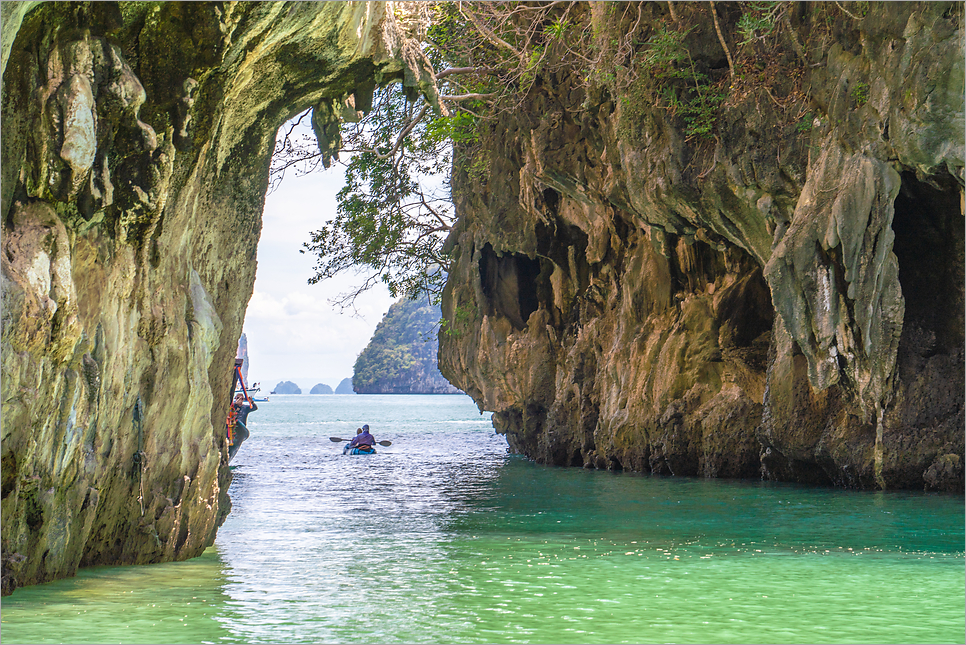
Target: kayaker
363,439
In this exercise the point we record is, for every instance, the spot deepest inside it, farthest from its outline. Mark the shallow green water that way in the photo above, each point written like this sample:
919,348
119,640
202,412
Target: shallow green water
443,537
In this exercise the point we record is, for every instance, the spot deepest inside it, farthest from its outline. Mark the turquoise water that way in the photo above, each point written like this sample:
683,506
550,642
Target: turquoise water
443,537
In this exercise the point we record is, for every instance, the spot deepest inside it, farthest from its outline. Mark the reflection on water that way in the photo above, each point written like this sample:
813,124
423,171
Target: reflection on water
171,603
443,537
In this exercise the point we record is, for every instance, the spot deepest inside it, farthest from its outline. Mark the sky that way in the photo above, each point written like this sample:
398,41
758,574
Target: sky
294,333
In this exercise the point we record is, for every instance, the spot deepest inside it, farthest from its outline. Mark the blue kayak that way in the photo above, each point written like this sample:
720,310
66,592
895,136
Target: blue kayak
358,451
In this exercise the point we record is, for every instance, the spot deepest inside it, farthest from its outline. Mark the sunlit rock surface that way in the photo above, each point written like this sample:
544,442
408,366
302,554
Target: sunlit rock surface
782,300
136,142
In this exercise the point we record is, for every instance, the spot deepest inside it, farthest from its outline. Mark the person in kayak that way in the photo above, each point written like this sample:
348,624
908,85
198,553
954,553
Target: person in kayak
363,439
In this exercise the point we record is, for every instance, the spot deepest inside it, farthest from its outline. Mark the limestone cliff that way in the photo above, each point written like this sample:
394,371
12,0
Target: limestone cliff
401,355
136,142
782,298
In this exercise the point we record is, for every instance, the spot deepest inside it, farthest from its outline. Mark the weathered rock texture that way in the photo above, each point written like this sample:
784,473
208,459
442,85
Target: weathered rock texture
774,302
136,143
783,300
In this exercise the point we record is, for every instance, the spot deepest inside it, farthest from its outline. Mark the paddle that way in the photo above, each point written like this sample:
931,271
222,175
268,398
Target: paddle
381,443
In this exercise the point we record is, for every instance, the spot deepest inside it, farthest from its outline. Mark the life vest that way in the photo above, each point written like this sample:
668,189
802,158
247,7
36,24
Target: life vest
230,422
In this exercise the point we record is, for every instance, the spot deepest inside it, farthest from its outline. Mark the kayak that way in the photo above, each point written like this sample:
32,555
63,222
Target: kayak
358,451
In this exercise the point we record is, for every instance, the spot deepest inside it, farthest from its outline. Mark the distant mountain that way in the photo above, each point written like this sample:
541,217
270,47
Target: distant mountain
345,387
401,356
321,388
286,387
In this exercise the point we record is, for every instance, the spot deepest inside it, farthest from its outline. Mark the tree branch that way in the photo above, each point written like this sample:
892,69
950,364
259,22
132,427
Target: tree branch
489,35
448,226
540,7
793,36
847,13
402,135
717,28
450,71
467,97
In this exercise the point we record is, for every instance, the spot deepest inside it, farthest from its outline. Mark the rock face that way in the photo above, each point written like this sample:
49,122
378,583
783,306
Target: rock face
344,387
286,387
320,388
136,144
401,355
783,299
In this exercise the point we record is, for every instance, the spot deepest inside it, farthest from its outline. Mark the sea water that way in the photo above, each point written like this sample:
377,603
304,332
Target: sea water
444,537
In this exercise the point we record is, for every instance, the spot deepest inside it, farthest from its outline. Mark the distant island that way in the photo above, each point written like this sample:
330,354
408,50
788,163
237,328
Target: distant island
321,388
401,356
287,387
345,387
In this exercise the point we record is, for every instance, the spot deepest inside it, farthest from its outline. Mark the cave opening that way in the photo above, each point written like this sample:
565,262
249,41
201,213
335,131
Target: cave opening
929,245
509,283
563,245
745,314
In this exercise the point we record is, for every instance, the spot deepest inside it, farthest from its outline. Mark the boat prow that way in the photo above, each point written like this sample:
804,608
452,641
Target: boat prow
358,451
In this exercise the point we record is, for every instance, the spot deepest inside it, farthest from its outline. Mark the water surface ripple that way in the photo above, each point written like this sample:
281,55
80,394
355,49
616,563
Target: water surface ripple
443,537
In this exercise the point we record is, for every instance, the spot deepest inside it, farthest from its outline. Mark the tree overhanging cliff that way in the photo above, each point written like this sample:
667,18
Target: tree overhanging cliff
703,248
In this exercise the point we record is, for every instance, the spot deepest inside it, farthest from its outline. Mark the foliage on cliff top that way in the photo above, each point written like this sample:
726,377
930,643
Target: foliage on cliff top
391,214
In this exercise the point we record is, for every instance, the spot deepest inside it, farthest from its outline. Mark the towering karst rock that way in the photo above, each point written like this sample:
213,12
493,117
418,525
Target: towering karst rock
783,297
242,353
136,143
401,357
